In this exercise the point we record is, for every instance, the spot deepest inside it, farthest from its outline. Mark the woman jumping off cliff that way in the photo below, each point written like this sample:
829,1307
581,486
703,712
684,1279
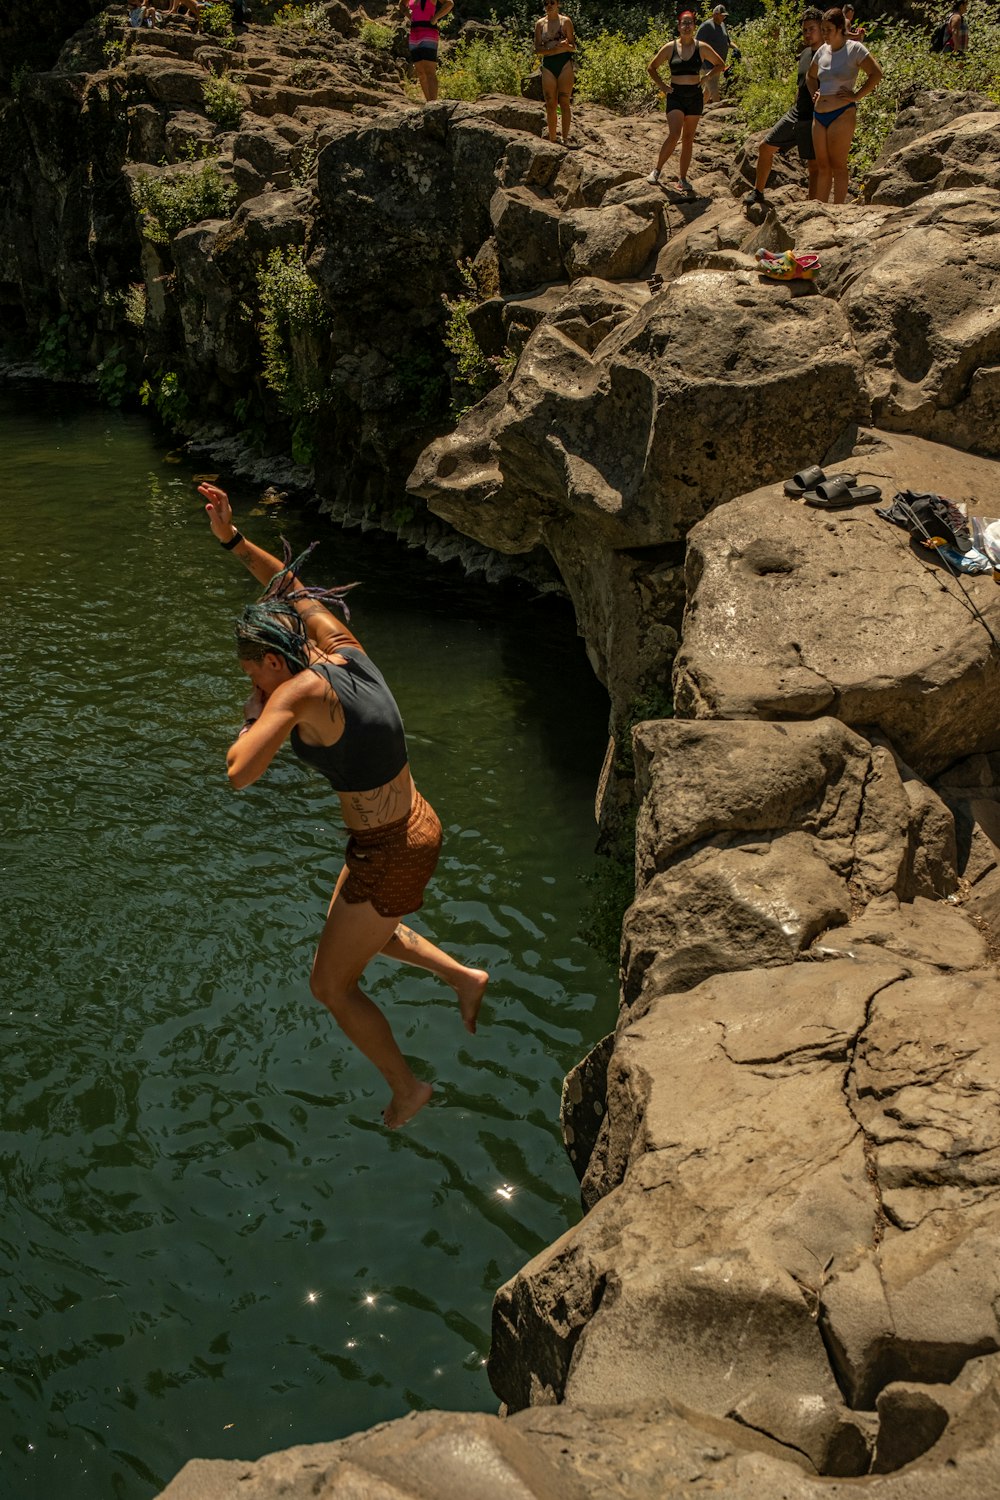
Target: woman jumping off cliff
315,686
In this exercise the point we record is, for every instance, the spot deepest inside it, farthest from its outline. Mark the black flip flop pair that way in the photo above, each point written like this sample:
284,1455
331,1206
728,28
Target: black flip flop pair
830,492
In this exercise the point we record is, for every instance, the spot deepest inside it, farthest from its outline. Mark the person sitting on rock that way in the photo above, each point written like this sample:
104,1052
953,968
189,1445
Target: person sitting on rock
794,128
425,16
143,15
855,33
555,44
685,99
832,75
193,8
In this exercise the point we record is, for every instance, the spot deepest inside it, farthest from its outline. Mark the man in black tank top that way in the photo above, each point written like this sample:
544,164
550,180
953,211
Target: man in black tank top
795,127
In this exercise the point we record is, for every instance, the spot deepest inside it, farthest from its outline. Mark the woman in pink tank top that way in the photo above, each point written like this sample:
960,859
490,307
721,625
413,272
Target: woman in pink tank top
425,16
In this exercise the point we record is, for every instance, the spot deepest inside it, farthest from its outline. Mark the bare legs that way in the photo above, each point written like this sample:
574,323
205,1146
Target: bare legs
427,77
832,144
765,161
558,94
353,934
680,127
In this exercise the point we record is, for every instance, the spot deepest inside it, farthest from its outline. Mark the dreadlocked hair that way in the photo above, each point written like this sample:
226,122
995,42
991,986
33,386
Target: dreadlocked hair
274,624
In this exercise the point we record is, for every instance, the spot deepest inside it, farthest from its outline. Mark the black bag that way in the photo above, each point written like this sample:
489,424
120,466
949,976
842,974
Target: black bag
930,520
939,36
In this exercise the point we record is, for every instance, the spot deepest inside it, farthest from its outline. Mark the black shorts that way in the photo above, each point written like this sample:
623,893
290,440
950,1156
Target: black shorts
791,131
424,52
687,97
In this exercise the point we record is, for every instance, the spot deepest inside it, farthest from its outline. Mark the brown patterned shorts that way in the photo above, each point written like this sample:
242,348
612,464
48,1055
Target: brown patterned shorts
391,865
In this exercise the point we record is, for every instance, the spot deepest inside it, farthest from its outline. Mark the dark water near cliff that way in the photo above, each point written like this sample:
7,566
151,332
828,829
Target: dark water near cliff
209,1245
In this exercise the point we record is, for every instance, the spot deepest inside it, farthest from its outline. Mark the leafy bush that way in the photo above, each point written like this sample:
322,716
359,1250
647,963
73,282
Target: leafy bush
217,21
612,70
224,101
172,201
167,397
53,351
486,65
112,378
134,304
763,80
306,18
292,315
374,34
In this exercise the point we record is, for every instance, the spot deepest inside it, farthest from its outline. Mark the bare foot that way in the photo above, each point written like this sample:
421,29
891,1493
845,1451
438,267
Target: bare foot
403,1107
470,993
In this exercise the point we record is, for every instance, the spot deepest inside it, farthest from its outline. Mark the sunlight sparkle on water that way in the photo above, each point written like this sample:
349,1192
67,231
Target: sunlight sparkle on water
312,1296
506,1192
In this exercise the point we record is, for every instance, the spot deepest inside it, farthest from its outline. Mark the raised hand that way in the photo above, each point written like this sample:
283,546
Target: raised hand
219,511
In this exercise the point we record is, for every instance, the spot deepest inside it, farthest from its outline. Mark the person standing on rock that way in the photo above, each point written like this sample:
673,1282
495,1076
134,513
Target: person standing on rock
794,128
685,99
831,78
425,17
715,34
555,44
314,685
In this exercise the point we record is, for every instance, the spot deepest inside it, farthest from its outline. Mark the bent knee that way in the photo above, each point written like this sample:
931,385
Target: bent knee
329,992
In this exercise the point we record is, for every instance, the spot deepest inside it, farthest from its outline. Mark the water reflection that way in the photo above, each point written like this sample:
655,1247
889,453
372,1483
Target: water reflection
199,1195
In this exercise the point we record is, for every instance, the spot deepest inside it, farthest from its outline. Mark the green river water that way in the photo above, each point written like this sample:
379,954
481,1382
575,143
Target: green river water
210,1246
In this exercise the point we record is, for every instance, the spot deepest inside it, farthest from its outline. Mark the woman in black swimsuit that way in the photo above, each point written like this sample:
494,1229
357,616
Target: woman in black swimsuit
685,98
555,44
314,684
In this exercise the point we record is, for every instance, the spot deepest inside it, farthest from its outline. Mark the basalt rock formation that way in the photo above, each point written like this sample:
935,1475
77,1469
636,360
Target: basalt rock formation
787,1272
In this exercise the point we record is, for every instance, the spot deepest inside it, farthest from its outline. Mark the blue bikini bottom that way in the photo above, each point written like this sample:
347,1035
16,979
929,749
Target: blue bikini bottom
834,114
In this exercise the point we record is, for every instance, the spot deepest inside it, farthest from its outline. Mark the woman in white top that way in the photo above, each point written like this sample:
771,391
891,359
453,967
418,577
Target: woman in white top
831,80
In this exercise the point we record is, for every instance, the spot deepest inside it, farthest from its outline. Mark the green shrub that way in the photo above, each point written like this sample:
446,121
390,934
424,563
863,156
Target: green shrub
133,304
112,378
374,34
225,101
612,70
474,373
293,315
217,21
486,65
764,79
53,349
167,397
172,201
306,17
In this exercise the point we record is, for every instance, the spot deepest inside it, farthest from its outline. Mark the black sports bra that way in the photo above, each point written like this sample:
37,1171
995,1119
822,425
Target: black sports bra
692,64
372,749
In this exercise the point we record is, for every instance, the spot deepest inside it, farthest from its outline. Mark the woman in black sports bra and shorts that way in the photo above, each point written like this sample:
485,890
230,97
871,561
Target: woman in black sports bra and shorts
685,96
315,686
555,44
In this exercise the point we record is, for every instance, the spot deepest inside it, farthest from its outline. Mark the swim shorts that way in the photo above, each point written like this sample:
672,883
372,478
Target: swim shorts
423,52
687,97
390,866
791,131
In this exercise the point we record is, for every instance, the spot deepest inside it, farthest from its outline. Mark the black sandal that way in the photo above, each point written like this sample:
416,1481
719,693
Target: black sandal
838,492
810,479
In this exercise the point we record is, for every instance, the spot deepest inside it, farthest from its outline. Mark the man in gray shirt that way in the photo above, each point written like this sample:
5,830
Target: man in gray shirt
715,34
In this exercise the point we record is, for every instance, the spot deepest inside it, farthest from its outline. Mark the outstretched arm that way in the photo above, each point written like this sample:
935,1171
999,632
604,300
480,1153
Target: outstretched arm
324,629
